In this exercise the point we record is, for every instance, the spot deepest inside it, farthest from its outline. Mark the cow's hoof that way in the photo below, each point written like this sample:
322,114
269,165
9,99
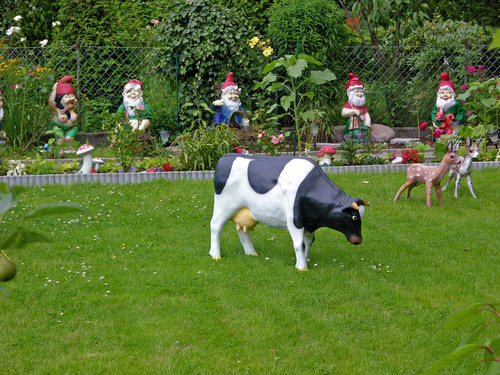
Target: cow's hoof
253,255
302,269
216,258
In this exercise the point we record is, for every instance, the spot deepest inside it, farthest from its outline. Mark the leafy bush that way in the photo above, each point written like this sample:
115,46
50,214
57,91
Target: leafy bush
202,148
25,90
208,41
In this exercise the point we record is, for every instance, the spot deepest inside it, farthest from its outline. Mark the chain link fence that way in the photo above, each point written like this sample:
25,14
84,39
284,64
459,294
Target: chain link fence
401,82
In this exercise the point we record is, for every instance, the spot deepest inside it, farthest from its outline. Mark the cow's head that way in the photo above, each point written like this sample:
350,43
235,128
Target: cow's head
348,221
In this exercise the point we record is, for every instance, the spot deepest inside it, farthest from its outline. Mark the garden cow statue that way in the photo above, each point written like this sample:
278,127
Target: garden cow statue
291,193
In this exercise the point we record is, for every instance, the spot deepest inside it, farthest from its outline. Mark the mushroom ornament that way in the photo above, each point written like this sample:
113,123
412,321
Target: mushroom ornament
97,162
327,151
85,151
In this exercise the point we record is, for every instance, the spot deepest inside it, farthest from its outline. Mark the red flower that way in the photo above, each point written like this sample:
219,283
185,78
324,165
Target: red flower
167,167
423,126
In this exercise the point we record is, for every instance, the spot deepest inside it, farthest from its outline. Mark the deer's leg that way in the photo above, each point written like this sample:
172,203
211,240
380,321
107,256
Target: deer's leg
408,192
437,187
469,183
458,177
402,188
448,180
428,189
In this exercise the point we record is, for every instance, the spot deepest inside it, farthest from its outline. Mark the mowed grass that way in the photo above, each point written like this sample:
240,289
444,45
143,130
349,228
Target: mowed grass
130,287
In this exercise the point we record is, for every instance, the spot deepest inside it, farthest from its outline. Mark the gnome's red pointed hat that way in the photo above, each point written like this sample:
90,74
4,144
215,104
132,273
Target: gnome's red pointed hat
353,83
446,82
229,84
132,83
64,86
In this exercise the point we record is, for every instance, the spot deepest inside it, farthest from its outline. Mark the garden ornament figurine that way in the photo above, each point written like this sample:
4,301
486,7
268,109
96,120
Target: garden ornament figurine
327,153
62,101
230,105
85,151
358,118
431,176
137,112
448,112
464,168
291,193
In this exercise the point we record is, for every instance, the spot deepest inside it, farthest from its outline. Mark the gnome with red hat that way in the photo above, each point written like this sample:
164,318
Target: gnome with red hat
358,118
62,101
137,112
447,112
230,103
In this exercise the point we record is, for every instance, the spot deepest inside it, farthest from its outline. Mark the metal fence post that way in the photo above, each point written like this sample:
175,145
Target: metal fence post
78,87
177,92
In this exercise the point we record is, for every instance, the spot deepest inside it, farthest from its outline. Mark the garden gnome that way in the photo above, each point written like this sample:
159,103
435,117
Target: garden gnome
358,118
62,101
230,102
138,113
447,112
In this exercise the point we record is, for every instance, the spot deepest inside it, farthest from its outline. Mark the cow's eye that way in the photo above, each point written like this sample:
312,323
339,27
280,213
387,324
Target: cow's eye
355,218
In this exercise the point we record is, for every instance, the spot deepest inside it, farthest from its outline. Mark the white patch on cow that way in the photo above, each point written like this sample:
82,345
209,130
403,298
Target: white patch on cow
361,212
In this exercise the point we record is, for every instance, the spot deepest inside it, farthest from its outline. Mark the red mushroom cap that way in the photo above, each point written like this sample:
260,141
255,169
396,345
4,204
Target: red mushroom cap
320,154
84,149
328,150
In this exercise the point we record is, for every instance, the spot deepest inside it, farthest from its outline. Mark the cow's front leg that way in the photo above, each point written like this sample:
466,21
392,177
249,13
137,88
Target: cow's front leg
299,246
221,215
308,241
246,242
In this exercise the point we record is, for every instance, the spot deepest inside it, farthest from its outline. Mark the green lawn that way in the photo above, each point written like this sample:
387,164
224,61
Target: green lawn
130,288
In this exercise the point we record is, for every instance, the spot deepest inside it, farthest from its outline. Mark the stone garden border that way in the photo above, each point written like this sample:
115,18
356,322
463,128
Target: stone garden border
126,178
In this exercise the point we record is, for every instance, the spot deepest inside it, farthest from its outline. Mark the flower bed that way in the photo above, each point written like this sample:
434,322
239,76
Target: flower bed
125,178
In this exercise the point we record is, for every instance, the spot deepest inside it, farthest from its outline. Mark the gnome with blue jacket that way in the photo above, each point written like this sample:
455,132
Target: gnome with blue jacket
230,104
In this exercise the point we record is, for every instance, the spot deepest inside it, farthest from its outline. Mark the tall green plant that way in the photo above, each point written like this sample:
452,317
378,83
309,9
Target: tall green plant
290,75
207,41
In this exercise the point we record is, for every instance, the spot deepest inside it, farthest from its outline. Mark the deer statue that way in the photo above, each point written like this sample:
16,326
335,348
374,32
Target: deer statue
464,168
429,175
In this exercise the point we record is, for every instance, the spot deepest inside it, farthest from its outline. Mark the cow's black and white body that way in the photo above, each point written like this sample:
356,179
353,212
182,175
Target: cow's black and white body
291,193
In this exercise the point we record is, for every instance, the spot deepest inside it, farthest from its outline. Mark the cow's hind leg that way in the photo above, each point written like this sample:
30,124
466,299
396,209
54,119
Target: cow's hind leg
246,242
222,213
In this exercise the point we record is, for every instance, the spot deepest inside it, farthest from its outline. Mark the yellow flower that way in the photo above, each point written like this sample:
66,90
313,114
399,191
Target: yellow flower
268,51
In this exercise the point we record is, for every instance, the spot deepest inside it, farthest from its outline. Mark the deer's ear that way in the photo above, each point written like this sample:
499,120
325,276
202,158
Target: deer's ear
479,140
468,142
450,146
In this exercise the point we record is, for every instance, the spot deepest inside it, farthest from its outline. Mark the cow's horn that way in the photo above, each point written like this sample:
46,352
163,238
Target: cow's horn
365,203
355,206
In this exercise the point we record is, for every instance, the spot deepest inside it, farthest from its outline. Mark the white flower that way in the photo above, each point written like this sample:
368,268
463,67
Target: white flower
13,30
56,23
23,39
44,42
17,18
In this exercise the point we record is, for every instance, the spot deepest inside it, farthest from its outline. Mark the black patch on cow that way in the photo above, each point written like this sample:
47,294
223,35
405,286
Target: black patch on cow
222,172
317,199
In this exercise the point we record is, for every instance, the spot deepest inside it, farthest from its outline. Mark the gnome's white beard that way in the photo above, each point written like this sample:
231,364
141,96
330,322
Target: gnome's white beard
445,104
1,114
356,100
230,104
131,105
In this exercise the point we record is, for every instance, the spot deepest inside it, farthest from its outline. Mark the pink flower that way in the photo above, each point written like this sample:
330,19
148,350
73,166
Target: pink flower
281,137
465,87
469,113
275,140
480,66
471,69
437,133
155,22
261,134
423,126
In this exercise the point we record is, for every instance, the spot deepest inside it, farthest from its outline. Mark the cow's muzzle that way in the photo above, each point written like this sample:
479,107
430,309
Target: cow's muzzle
355,240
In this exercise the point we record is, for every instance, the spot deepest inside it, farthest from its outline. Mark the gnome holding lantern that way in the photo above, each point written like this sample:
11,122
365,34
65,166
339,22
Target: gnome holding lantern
62,101
230,104
358,118
447,112
137,112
